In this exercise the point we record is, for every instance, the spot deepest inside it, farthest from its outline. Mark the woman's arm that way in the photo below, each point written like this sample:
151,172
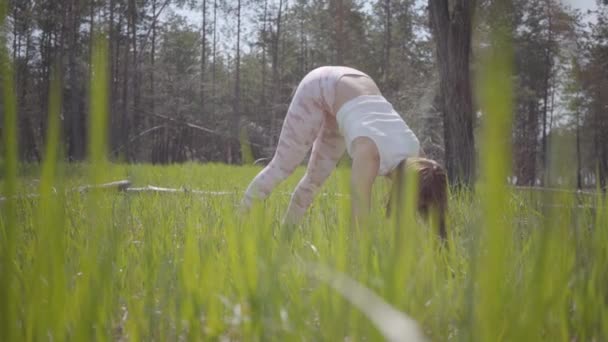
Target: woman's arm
366,162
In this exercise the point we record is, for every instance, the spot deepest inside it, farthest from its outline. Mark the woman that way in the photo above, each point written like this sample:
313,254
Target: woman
337,109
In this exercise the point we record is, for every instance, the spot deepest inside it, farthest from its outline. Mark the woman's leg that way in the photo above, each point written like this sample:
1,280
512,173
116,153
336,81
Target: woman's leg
301,126
327,150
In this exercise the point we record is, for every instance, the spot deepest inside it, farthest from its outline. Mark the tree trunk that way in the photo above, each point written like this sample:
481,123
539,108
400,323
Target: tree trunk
46,62
603,165
262,110
29,141
125,124
76,130
115,141
339,34
153,56
277,38
579,181
387,42
213,58
91,33
136,115
527,143
16,36
203,57
546,85
302,44
275,76
600,141
452,31
237,90
152,80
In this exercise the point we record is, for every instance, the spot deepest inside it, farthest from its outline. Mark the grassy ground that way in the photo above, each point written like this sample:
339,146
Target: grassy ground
147,266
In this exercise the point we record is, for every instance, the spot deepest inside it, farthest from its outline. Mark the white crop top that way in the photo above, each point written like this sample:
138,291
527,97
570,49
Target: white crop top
373,116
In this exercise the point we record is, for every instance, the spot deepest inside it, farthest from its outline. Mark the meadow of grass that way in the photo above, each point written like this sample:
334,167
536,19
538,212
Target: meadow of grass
150,266
108,265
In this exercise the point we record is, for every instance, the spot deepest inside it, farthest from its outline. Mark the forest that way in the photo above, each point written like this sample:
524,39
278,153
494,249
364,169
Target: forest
194,80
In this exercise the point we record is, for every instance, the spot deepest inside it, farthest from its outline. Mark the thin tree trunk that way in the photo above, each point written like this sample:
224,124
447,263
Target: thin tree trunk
544,130
531,144
30,146
551,111
237,88
262,109
112,78
16,36
213,66
604,167
275,55
125,125
45,47
203,57
598,139
547,80
153,57
19,70
135,69
91,33
340,34
76,117
387,42
302,44
579,181
152,71
275,75
59,54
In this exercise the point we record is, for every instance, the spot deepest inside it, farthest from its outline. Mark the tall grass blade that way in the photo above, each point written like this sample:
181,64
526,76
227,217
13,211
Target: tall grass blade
9,294
47,297
494,241
98,122
93,298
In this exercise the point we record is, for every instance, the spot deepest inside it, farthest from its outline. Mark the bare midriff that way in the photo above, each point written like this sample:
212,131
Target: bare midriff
350,86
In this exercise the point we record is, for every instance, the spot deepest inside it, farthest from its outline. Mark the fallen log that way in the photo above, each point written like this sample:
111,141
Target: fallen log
555,190
120,185
152,188
125,186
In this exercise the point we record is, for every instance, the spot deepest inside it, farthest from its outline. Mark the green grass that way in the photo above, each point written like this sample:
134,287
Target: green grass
163,266
105,265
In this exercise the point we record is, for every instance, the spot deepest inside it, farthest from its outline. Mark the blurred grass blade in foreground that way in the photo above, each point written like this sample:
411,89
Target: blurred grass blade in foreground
47,299
394,325
490,271
9,294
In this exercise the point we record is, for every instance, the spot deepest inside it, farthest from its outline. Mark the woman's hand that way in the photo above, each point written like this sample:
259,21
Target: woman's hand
366,162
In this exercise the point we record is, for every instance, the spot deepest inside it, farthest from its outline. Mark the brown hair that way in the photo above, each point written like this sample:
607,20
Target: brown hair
432,189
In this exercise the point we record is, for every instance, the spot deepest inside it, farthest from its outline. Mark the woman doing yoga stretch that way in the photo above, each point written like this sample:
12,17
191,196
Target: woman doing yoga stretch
338,109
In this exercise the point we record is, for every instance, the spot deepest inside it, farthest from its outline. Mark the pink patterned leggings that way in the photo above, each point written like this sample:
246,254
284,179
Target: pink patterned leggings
310,121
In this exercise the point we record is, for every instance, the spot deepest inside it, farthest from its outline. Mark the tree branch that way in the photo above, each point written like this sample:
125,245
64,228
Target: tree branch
145,40
141,134
201,128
